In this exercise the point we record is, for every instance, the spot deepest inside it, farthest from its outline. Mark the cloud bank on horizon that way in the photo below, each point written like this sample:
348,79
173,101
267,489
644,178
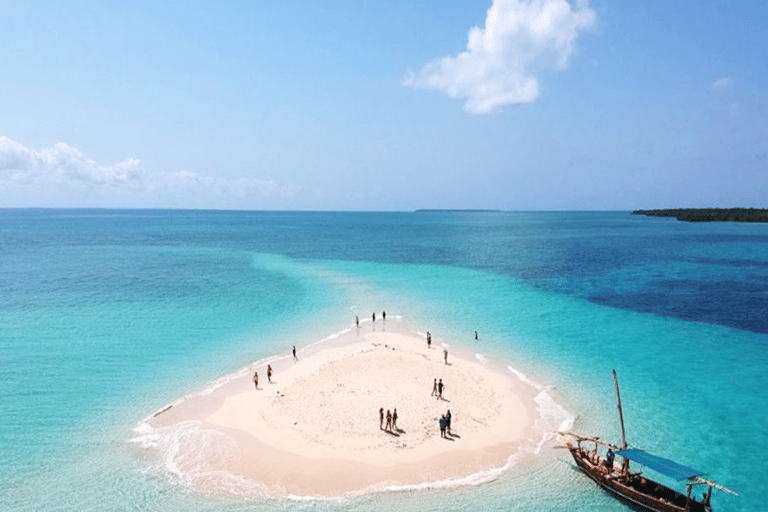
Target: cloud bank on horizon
64,176
502,61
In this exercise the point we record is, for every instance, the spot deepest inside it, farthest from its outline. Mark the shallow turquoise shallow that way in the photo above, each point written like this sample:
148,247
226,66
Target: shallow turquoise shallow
107,316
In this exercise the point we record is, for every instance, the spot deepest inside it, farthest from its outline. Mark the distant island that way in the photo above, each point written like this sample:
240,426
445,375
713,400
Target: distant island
458,210
710,214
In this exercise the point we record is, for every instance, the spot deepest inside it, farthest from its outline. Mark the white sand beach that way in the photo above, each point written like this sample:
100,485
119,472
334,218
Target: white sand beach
315,430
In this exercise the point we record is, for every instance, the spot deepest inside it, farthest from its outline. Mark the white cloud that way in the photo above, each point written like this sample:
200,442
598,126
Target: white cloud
502,60
723,84
62,165
63,176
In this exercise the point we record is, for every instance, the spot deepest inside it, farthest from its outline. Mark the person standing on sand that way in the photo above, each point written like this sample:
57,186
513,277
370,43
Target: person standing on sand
256,379
294,354
381,419
442,426
445,354
440,390
389,421
429,340
448,422
394,420
434,388
269,373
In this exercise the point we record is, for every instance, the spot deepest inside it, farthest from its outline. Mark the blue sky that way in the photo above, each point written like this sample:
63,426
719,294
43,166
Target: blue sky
384,105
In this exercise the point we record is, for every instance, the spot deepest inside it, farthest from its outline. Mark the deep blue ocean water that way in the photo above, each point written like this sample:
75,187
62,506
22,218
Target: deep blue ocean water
106,316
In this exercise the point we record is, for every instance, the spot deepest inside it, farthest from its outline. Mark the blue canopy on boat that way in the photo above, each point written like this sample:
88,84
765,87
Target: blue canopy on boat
660,465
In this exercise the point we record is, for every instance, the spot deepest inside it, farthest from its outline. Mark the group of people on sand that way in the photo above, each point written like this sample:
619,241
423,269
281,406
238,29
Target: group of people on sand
391,425
445,350
373,318
256,376
269,370
445,425
445,419
437,389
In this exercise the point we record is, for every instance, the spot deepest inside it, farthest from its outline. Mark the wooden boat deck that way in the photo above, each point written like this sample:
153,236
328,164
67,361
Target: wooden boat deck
633,487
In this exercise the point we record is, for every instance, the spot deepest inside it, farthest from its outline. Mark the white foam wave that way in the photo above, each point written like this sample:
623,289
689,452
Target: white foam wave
523,378
194,456
334,336
144,436
327,338
552,417
479,478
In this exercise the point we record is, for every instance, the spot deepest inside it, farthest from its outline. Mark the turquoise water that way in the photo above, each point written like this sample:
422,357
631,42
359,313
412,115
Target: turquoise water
107,316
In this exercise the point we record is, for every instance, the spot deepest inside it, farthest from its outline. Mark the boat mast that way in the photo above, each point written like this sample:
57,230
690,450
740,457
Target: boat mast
621,413
625,464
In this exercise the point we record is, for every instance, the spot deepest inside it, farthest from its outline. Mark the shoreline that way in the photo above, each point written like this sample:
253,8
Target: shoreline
314,432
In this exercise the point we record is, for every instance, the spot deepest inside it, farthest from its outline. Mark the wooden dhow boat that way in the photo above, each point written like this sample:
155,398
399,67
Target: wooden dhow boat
633,486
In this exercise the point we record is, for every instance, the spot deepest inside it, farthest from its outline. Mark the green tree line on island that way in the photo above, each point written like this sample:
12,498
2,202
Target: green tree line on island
710,214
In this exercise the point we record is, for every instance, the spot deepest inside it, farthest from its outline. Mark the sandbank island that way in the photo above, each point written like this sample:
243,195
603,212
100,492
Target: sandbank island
315,429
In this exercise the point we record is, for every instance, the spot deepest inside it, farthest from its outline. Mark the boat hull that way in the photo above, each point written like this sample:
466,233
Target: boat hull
632,487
